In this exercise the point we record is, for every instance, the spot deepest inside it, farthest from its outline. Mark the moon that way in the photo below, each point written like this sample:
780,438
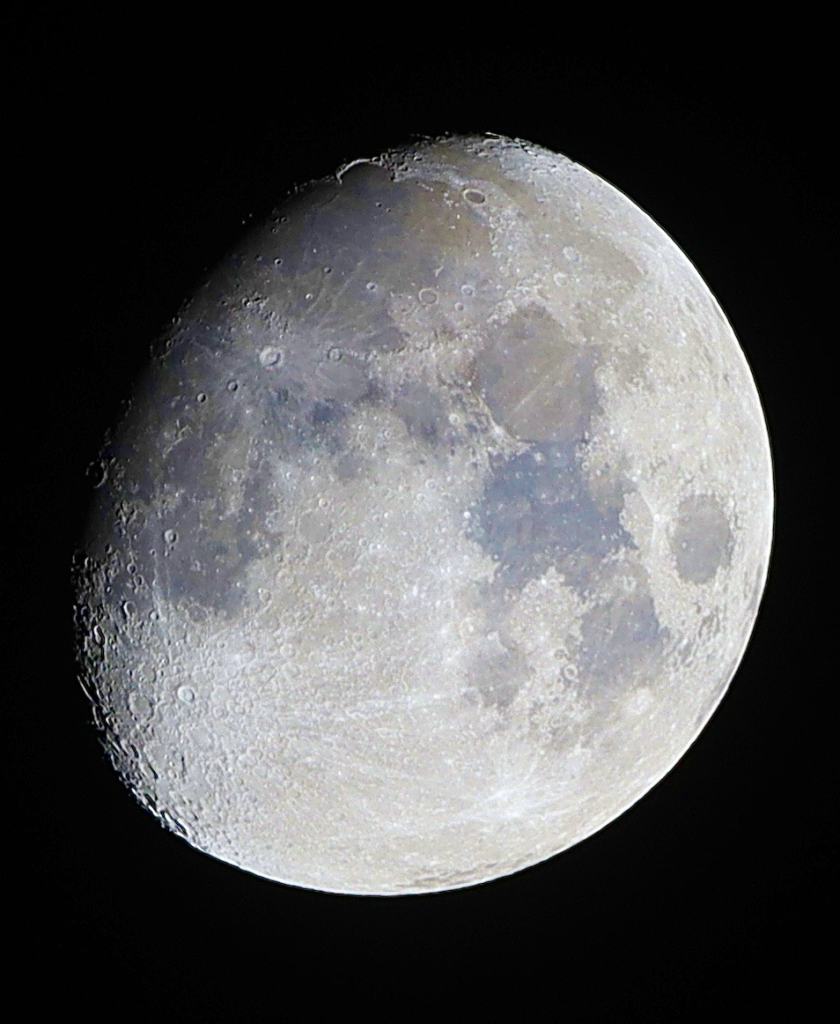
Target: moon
434,532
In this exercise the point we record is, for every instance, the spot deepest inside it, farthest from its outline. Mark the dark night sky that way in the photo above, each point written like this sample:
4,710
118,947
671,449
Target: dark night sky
150,150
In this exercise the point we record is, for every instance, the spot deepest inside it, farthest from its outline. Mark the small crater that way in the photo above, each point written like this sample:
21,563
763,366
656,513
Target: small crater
428,296
97,473
140,705
472,195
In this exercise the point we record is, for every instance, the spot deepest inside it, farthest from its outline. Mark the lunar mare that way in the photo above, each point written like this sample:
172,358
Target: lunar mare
435,531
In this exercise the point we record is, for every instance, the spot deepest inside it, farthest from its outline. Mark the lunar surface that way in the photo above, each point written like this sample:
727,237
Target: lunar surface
435,531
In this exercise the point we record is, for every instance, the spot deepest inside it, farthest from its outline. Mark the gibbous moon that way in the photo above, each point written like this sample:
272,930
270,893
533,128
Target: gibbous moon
435,531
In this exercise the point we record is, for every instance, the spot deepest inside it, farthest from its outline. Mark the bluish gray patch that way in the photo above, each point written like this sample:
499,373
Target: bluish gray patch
536,512
424,414
307,401
296,420
702,540
621,641
327,412
205,566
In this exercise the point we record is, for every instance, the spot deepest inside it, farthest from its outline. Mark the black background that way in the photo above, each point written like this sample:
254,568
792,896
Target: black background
150,147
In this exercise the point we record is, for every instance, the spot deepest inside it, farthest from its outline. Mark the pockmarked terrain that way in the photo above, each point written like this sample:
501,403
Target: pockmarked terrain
435,531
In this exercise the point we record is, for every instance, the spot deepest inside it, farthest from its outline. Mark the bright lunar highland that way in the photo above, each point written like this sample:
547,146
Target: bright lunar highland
435,531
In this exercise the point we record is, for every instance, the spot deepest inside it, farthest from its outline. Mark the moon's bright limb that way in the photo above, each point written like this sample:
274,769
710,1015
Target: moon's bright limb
435,533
